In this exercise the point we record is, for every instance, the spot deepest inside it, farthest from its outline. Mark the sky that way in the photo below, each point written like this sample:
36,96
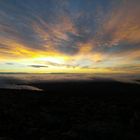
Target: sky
70,36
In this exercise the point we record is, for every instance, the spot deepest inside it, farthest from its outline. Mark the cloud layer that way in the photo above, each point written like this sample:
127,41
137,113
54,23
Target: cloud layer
98,35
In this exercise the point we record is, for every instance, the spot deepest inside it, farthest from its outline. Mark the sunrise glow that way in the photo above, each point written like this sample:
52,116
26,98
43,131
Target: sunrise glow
39,37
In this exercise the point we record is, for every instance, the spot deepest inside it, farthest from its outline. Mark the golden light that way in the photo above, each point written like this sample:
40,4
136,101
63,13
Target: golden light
59,60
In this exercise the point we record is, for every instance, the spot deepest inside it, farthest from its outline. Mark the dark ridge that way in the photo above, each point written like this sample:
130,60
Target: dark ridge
88,87
71,111
137,80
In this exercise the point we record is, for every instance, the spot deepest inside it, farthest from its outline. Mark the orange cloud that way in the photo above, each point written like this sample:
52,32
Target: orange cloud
53,34
123,23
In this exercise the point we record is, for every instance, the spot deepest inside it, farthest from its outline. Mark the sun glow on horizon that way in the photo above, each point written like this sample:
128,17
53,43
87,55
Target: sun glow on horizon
69,38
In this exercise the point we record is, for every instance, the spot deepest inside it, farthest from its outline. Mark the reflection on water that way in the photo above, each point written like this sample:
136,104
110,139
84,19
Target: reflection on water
24,81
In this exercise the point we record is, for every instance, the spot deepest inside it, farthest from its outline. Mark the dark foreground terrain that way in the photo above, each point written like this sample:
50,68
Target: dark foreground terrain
71,111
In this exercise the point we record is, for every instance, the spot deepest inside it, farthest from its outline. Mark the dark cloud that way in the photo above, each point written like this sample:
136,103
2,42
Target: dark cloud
38,66
9,63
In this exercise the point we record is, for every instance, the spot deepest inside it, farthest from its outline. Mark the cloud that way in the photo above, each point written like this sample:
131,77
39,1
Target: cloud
122,26
62,64
89,32
9,63
38,66
7,82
